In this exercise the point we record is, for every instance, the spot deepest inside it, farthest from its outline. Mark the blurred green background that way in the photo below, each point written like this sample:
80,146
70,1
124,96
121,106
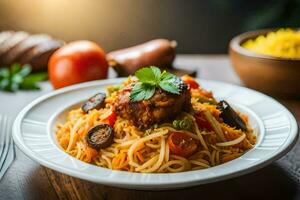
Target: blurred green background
198,26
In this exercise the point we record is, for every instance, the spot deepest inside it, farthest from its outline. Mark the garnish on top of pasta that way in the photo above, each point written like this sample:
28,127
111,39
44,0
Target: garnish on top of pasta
155,122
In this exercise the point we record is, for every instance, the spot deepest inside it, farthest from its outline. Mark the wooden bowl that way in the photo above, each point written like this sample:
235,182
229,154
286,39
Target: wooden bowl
272,75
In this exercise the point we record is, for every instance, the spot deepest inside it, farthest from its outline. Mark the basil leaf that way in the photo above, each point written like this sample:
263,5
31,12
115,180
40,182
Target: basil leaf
26,69
4,83
146,75
137,96
157,73
137,87
29,86
19,77
14,86
142,92
169,87
168,83
149,92
167,76
4,72
150,78
30,81
36,77
15,68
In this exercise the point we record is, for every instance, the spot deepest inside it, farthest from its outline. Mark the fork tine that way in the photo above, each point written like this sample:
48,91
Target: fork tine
6,143
8,160
1,129
2,134
8,154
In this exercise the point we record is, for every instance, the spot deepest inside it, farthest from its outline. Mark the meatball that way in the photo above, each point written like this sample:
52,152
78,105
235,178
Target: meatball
162,106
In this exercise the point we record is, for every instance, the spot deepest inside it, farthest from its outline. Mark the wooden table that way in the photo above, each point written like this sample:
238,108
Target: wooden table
27,179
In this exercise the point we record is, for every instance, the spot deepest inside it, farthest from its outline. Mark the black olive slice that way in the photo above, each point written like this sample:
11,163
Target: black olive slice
95,102
181,85
230,117
100,136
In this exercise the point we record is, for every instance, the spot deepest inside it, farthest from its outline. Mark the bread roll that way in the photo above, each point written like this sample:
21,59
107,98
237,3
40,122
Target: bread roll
19,49
38,56
12,41
24,48
5,35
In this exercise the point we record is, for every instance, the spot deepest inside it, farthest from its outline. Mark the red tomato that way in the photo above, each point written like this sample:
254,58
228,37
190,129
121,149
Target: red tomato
206,93
202,122
190,82
77,62
111,119
181,144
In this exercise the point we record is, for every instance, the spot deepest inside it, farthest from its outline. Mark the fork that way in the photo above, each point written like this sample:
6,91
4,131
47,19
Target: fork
6,144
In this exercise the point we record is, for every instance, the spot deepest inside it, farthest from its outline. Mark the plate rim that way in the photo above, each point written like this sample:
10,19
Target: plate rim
293,135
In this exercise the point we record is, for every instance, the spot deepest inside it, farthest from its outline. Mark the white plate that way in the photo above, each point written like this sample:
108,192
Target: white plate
33,133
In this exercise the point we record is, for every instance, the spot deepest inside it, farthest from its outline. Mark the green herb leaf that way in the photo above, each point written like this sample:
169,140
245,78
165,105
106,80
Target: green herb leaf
169,87
26,69
14,86
29,86
151,78
4,73
157,73
150,90
19,77
169,82
30,81
15,68
4,83
167,76
36,77
150,75
182,124
141,92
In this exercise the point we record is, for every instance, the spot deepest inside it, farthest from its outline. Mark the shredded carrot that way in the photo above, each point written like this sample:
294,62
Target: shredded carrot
139,156
90,154
124,151
120,161
140,147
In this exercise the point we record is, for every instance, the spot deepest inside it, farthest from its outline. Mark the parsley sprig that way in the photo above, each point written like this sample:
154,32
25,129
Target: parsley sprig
18,77
150,78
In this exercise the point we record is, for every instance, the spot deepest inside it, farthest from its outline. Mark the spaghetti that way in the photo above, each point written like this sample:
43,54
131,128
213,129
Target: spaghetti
148,151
